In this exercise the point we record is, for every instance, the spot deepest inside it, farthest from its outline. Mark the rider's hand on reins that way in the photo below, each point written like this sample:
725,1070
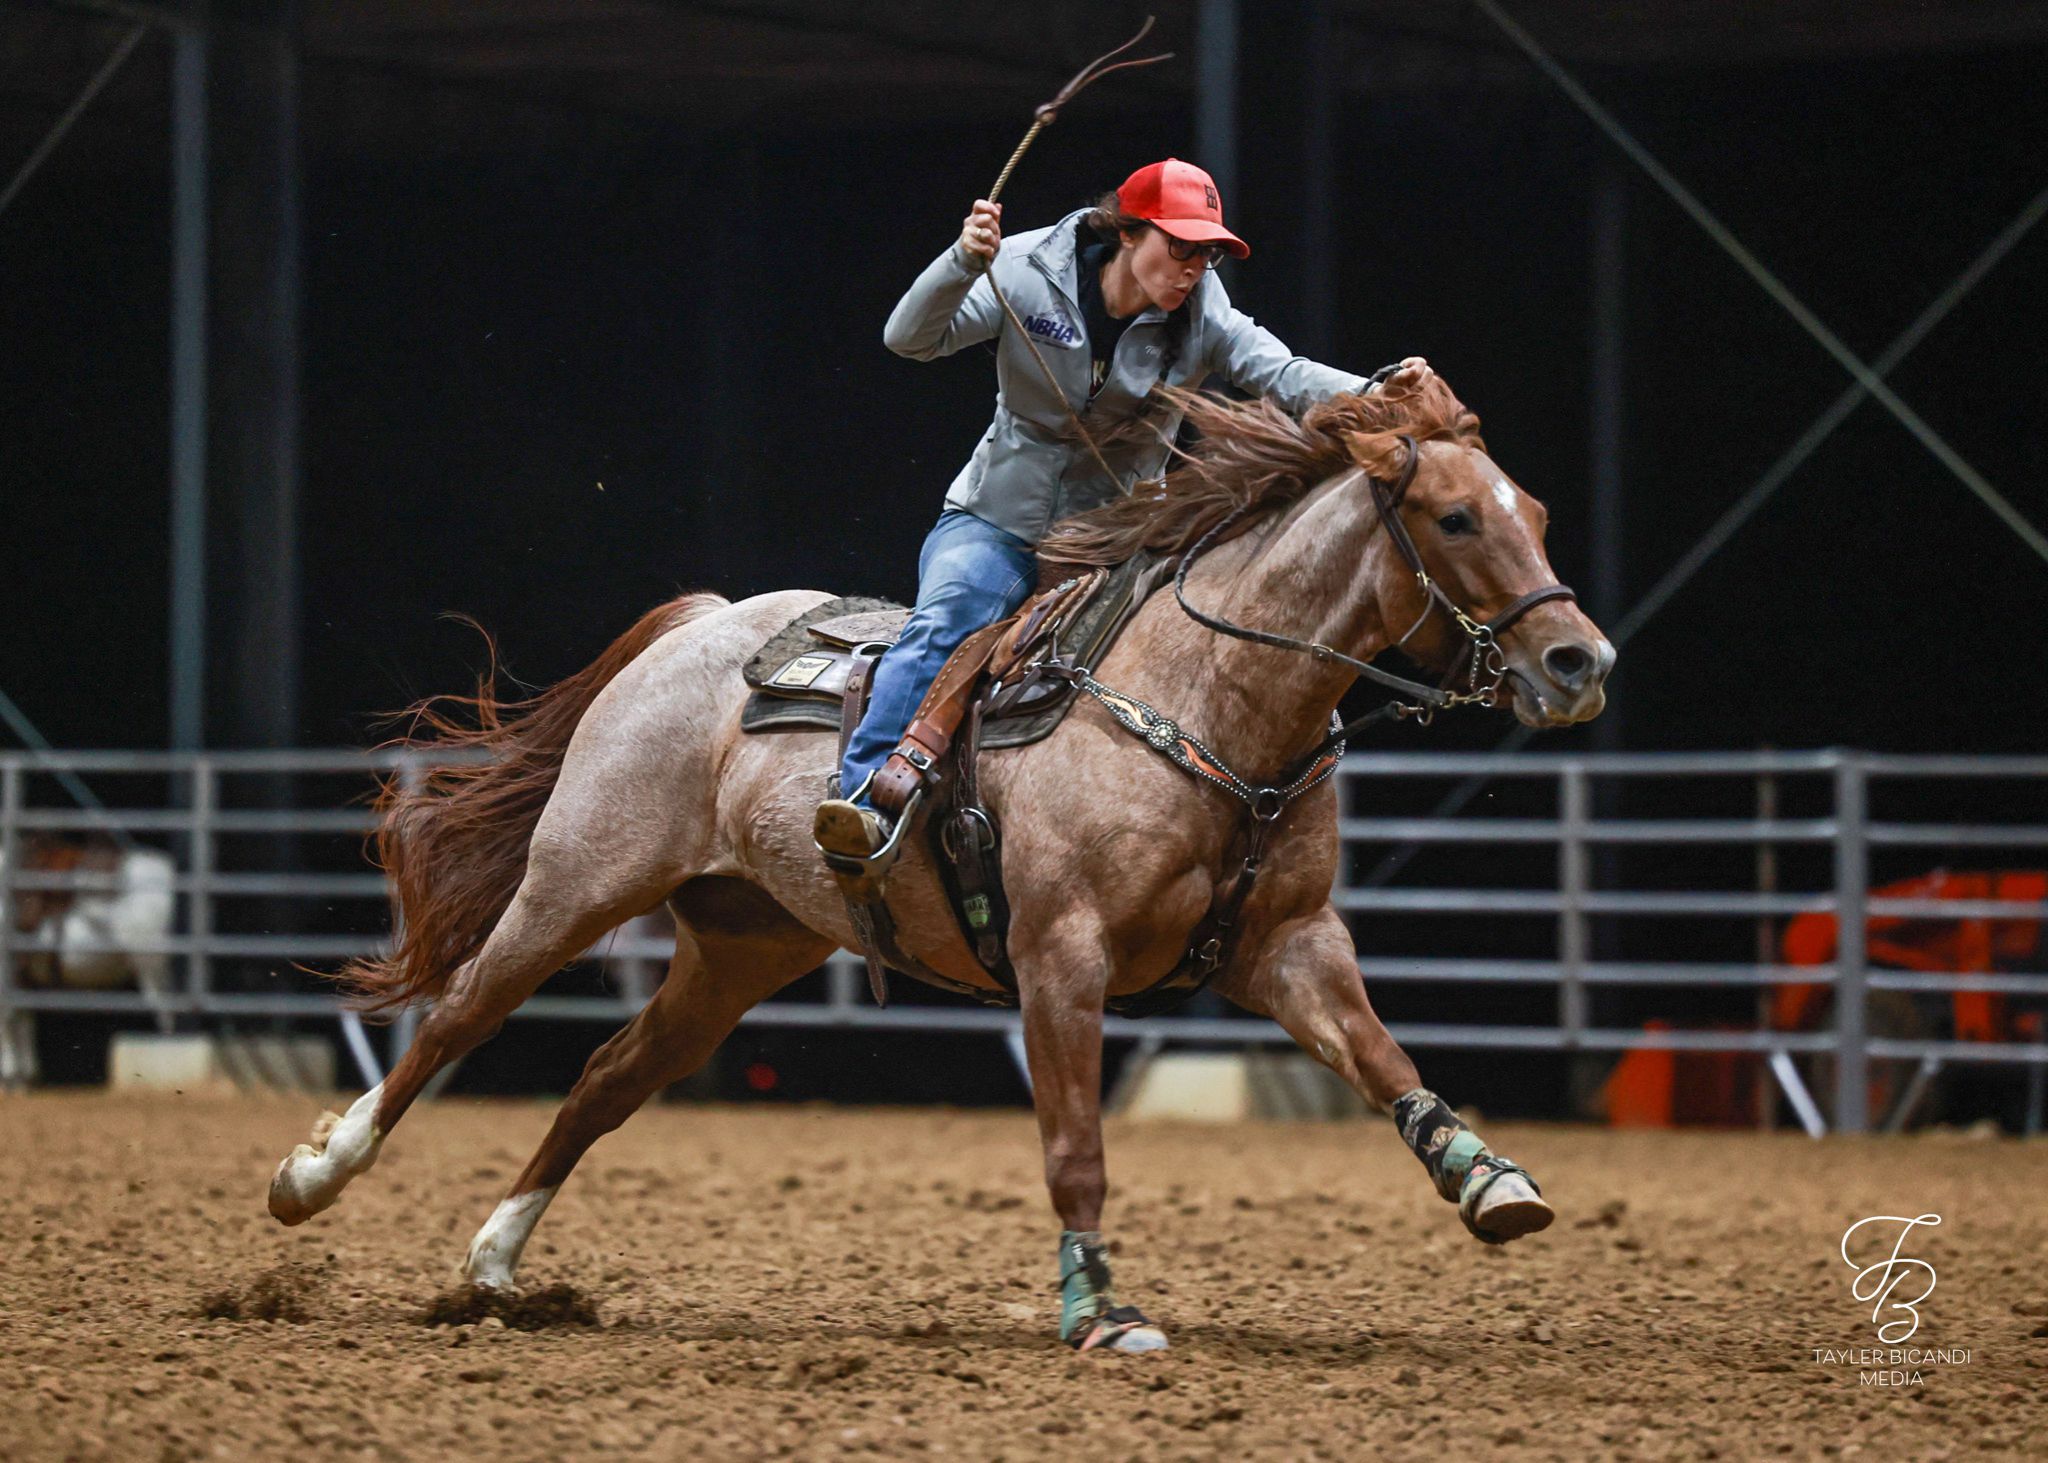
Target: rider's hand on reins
982,233
1414,370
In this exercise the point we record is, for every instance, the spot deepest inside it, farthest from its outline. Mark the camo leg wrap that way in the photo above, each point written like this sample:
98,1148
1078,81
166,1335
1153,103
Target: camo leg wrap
1447,1148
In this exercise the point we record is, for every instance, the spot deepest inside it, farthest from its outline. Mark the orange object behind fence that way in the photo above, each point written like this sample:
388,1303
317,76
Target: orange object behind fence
1652,1088
1968,946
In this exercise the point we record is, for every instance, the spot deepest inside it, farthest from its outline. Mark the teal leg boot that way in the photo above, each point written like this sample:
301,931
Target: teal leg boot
1090,1318
1496,1197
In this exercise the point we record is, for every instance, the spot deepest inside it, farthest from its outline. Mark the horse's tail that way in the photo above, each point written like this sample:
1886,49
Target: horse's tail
453,838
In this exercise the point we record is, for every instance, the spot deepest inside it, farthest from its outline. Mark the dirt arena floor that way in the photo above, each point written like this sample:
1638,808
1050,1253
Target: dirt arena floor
813,1283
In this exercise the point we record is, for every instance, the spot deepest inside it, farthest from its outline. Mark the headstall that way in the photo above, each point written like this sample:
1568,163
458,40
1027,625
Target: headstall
1482,673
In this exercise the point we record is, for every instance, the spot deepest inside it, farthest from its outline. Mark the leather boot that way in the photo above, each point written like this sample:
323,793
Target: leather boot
846,828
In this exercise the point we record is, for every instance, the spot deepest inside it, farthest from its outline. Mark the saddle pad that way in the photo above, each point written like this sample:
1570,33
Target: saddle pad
865,628
1084,642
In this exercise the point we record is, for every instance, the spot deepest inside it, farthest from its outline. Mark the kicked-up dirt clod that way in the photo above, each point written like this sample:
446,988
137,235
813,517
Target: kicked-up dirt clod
288,1292
550,1305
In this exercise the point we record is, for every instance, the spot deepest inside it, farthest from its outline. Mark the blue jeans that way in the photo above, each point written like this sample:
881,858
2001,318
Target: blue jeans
969,574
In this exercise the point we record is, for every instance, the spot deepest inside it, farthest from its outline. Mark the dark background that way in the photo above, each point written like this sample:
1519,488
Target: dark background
573,342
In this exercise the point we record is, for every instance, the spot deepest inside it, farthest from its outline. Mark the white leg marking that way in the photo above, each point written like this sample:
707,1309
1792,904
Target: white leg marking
313,1175
494,1253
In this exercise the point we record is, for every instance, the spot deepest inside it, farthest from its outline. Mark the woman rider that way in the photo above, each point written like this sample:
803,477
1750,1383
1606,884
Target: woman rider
1119,298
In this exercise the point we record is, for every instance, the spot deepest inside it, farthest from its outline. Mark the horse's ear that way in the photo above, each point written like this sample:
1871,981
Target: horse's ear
1379,453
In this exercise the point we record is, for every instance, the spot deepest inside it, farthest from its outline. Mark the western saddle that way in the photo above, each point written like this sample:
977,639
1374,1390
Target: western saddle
1008,685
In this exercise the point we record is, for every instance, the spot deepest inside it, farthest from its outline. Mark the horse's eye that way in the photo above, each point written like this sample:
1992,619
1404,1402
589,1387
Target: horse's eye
1455,523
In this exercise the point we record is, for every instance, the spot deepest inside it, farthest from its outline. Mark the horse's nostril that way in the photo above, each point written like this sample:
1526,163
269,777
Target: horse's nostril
1568,665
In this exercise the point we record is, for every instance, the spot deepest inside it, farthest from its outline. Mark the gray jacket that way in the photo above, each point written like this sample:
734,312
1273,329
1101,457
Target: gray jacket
1029,469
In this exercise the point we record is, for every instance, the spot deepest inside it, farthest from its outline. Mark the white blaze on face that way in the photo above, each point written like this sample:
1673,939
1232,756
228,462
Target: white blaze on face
1525,550
494,1253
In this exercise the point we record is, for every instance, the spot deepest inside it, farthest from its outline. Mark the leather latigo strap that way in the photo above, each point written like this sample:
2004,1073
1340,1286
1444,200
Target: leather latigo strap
855,702
1036,618
996,648
930,732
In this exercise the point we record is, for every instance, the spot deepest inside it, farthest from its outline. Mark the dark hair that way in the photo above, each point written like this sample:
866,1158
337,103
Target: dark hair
1107,218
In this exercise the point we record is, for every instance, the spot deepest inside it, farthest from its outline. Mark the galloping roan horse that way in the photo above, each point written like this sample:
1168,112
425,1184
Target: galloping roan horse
630,785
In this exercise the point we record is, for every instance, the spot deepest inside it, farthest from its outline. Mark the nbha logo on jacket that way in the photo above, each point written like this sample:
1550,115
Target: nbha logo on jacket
1055,329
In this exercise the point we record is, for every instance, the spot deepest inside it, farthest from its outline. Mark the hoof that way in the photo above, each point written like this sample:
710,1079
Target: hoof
1508,1207
1138,1340
295,1195
1124,1329
487,1267
313,1174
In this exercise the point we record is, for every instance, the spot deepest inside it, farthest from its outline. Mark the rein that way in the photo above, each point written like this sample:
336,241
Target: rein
1486,663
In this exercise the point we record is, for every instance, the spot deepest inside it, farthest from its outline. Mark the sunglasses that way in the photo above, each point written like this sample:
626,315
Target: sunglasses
1211,255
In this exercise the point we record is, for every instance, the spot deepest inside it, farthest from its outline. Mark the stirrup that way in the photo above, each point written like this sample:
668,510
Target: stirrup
871,868
1489,1170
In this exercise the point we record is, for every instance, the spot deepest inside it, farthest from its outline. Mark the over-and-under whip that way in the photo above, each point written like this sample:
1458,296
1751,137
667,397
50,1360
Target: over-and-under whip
1043,118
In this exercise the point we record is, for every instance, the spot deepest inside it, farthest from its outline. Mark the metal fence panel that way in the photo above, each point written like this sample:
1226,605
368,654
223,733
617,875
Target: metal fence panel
200,817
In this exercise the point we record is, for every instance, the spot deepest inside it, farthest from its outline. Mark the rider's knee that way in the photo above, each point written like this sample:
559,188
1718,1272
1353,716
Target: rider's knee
970,575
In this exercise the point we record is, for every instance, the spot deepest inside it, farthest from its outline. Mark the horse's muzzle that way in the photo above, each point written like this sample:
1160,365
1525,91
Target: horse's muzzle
1564,683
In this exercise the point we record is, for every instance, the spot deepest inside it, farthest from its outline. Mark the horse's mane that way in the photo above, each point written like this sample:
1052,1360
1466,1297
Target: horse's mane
1254,454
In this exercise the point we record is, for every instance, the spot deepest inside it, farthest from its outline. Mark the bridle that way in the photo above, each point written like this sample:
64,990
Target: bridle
1483,675
1210,946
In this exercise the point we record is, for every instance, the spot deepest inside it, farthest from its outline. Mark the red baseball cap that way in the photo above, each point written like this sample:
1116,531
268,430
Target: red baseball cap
1179,199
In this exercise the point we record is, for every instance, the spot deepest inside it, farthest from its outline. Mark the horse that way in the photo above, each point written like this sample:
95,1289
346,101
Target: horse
87,932
630,786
